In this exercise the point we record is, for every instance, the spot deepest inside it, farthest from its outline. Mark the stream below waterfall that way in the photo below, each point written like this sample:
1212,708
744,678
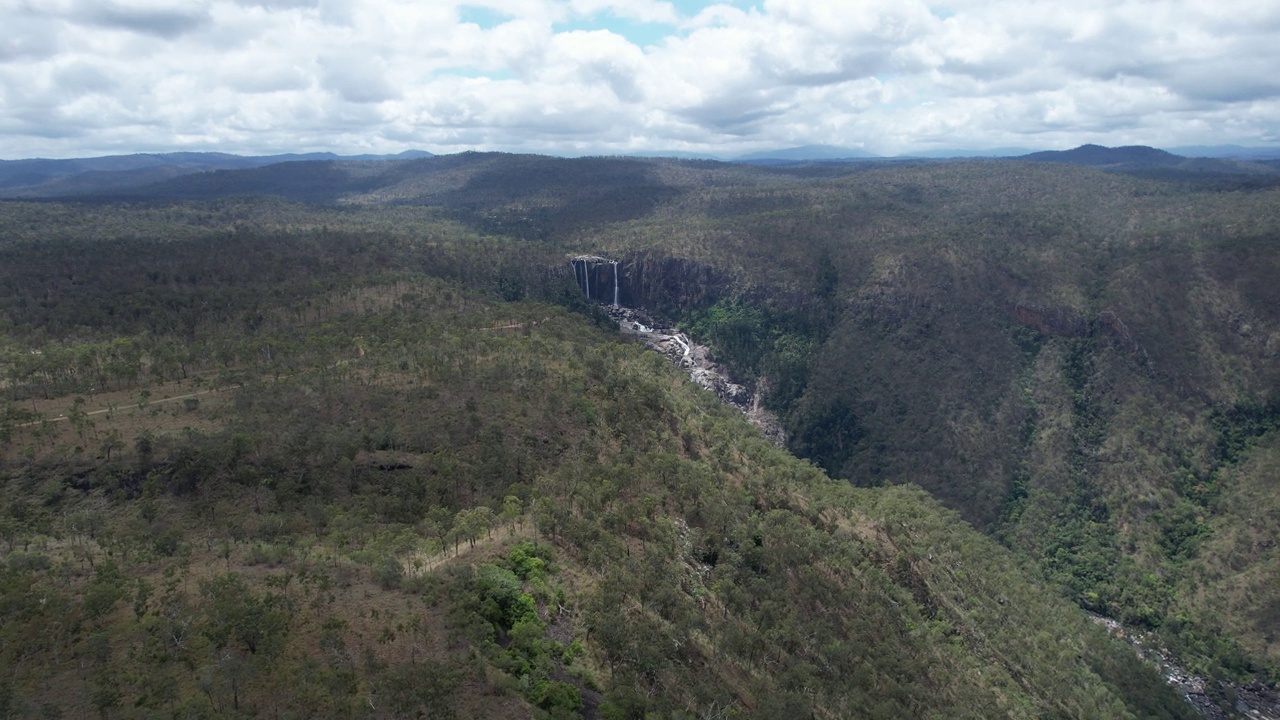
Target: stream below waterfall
1253,701
696,359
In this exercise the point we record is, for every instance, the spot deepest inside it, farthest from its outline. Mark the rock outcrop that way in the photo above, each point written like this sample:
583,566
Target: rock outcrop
696,359
640,279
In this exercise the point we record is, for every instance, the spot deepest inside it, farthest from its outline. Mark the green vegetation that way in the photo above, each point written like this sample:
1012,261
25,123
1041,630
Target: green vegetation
419,479
1080,363
385,394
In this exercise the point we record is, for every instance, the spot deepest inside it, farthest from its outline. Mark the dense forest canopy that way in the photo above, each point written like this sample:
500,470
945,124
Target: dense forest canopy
341,438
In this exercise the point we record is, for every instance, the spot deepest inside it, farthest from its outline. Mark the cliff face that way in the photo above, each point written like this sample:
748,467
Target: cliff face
1083,365
659,283
598,278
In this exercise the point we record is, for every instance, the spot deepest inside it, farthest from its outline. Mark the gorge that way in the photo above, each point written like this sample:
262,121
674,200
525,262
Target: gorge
670,342
1020,390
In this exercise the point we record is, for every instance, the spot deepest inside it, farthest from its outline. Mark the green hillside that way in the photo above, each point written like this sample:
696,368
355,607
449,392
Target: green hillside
393,423
263,460
1081,364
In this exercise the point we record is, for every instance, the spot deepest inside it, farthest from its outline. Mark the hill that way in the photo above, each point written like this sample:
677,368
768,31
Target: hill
1223,173
807,152
1079,363
1228,151
1098,156
111,174
345,471
1062,355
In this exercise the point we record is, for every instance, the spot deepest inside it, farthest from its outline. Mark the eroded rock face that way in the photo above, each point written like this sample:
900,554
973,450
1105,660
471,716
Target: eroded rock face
599,278
646,280
665,284
1058,321
1253,700
695,359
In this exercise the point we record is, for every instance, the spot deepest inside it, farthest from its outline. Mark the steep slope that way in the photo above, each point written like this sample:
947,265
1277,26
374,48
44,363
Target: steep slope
1080,363
1061,355
365,490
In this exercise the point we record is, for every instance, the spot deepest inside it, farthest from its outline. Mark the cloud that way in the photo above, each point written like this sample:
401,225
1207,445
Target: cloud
164,22
28,38
80,77
596,57
645,11
356,77
280,4
84,76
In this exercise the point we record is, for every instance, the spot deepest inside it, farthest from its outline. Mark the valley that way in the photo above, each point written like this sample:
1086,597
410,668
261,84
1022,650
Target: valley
409,411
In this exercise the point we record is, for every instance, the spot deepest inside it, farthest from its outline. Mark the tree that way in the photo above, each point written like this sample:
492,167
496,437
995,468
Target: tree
423,690
112,442
233,614
468,524
512,510
79,418
11,418
228,674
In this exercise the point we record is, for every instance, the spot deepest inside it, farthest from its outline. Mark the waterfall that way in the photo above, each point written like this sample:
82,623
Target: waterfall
679,338
584,266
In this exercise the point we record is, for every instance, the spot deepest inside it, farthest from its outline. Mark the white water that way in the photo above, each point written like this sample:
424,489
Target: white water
615,283
680,341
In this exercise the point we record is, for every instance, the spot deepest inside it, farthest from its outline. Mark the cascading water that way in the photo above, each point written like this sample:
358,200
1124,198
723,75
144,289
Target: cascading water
670,341
584,266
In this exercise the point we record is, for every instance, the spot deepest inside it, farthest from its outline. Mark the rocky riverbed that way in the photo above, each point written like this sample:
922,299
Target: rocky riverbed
1213,699
696,359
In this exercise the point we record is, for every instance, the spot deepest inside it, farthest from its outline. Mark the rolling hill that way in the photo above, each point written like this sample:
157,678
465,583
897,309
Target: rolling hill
114,173
1076,365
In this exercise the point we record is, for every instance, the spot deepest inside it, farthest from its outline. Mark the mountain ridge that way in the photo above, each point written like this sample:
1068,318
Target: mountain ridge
808,152
130,174
40,177
1100,156
361,462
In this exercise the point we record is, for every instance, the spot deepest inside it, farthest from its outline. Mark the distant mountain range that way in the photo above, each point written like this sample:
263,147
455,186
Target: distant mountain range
1099,156
808,152
1095,155
1161,164
946,153
1228,151
197,173
40,177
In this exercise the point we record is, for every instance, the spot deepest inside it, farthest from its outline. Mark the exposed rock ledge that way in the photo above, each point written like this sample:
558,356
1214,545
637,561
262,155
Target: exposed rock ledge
702,370
1253,701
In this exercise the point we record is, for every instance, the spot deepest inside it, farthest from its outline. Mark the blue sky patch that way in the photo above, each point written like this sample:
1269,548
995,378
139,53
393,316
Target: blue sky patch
644,34
640,34
485,17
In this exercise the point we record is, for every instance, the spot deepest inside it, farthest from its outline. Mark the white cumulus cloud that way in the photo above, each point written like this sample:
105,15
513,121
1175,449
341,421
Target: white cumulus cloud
81,77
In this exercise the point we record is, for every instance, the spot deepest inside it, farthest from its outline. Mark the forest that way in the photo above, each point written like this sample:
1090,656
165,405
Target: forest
345,439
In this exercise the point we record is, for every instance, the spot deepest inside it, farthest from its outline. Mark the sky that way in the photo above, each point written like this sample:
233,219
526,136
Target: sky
94,77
